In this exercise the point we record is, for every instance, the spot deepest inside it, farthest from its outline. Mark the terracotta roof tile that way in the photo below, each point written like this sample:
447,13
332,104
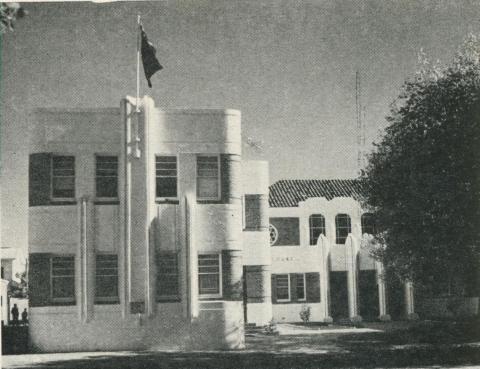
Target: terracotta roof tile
289,192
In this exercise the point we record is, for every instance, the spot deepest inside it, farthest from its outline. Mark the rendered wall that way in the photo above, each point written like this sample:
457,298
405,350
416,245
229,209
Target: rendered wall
304,258
153,227
256,242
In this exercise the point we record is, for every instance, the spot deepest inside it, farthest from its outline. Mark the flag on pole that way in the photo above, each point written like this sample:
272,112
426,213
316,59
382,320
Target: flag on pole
150,62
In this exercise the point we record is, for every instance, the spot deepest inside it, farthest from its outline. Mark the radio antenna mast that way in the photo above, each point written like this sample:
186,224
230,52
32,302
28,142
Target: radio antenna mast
359,111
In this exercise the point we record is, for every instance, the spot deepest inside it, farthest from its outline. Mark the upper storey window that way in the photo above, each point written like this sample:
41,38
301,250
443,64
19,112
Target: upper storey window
106,177
284,231
167,175
208,177
63,177
317,227
343,227
368,223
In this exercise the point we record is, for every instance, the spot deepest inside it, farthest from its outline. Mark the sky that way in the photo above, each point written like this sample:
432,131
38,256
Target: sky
289,66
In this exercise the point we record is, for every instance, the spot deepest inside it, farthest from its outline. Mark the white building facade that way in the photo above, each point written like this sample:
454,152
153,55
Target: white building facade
137,237
147,230
320,257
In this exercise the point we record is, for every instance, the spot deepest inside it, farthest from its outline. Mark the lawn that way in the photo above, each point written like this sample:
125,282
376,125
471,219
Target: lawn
376,345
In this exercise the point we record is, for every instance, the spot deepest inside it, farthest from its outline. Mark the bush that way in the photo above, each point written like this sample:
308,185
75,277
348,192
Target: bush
305,314
271,328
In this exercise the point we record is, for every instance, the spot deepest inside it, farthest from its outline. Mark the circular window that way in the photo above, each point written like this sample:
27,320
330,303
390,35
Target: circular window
273,234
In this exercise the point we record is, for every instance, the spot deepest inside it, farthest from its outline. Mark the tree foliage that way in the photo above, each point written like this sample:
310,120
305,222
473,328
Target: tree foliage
422,180
9,13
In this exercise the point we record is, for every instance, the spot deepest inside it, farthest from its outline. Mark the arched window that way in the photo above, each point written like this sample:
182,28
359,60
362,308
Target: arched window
343,226
368,223
317,227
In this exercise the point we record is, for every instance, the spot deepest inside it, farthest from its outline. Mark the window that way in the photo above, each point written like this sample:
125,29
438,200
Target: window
167,276
208,186
106,177
63,279
106,281
283,287
252,211
343,228
368,223
63,177
317,227
284,231
167,174
300,287
273,234
296,287
209,276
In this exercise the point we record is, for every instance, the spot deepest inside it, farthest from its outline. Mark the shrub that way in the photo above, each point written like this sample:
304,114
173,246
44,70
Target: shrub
305,313
271,328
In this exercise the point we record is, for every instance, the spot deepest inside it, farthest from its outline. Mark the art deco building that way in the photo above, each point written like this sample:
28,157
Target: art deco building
140,225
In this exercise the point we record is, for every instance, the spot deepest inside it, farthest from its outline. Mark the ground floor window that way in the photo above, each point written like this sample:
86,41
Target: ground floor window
209,275
106,278
296,287
62,278
282,287
167,276
299,286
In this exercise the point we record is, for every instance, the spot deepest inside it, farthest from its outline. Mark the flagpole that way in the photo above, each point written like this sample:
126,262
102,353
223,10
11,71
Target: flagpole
137,108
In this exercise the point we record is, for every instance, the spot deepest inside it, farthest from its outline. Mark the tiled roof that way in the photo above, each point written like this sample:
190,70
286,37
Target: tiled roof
289,192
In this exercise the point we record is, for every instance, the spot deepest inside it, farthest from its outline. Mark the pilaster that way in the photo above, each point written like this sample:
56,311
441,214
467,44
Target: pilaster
409,301
382,295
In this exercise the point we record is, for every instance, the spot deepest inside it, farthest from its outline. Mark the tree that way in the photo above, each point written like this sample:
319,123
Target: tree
19,289
422,180
9,13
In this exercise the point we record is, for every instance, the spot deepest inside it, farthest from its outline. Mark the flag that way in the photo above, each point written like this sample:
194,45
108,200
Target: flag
150,62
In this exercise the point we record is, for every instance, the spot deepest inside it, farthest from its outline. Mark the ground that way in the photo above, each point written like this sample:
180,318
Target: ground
375,345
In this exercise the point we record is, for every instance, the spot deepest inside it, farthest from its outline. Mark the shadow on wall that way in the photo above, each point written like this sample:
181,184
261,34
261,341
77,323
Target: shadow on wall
14,339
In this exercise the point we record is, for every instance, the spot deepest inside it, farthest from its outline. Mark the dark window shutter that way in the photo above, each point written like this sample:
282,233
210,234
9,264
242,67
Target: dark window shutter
274,289
252,212
39,280
293,287
313,287
39,179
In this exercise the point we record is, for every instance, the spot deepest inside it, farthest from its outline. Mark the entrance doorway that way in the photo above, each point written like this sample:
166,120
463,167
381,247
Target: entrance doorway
338,295
395,298
368,294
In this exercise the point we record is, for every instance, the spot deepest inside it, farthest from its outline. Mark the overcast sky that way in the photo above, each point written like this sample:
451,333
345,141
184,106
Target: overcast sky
289,66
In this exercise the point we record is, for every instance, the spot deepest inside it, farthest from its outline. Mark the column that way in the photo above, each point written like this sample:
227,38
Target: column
137,217
232,265
86,260
188,212
324,246
409,301
352,252
382,296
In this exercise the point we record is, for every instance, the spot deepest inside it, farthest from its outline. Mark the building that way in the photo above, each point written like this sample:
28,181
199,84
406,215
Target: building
137,238
147,230
13,263
320,256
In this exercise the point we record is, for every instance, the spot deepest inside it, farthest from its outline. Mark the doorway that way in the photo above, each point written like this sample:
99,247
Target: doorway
368,295
338,295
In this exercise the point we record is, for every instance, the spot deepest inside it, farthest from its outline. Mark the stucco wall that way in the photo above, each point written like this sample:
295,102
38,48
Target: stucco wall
153,227
59,329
